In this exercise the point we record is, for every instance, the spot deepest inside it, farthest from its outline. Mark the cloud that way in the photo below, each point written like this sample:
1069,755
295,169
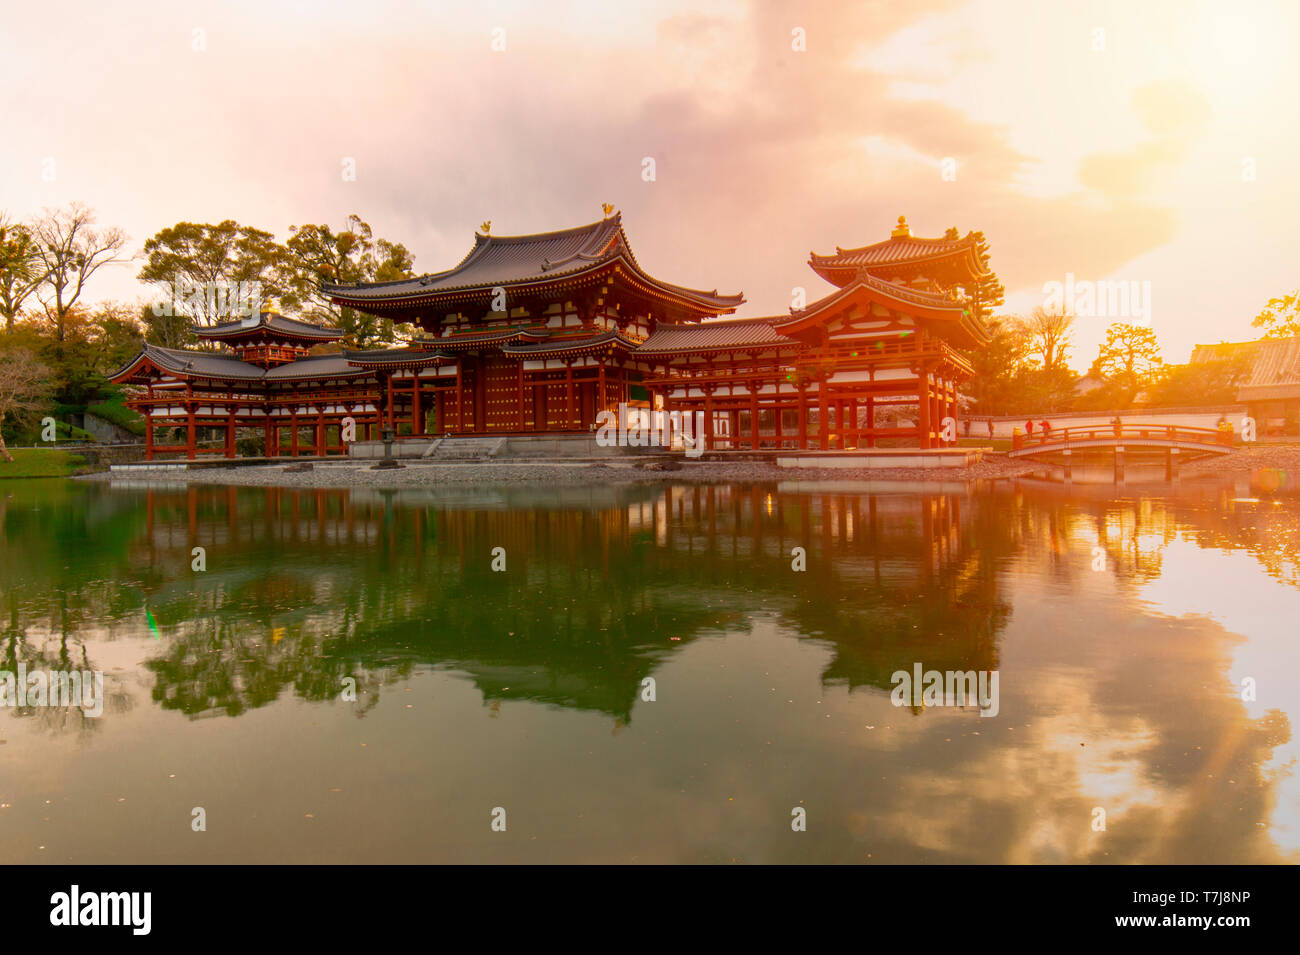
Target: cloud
1175,115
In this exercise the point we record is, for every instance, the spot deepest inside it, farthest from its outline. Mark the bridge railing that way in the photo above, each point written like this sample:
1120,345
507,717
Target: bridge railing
1119,433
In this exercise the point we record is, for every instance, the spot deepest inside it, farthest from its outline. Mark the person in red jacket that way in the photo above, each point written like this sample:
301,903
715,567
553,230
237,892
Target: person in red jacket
1029,427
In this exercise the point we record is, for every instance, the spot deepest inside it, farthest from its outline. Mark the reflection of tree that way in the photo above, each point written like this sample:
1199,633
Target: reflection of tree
1135,530
53,655
306,588
1060,525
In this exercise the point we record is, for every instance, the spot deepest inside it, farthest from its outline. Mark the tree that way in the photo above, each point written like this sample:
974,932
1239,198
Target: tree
21,269
994,385
1203,383
71,250
169,331
1280,317
116,335
319,254
1130,354
988,293
1048,331
24,390
201,270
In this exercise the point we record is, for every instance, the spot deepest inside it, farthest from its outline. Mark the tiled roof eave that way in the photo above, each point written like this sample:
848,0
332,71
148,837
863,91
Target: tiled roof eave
620,259
849,259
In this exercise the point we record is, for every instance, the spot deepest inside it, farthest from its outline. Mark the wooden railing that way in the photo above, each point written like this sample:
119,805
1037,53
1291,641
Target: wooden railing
1120,433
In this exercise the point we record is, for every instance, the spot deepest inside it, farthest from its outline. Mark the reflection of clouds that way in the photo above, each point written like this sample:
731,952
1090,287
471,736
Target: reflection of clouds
1228,588
1032,777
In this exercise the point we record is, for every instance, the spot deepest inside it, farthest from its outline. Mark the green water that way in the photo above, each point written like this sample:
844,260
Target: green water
1121,624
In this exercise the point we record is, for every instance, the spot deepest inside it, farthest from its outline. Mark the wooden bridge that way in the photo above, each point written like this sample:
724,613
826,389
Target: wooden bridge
1122,438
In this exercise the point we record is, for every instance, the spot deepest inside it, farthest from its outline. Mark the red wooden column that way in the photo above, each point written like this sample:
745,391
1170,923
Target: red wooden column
520,392
823,432
803,417
940,400
954,409
460,393
753,415
871,421
568,392
417,413
191,444
391,404
148,433
230,432
320,432
601,397
293,431
923,406
708,418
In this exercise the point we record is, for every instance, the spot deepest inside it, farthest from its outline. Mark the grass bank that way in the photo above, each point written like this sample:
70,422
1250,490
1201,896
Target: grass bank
40,462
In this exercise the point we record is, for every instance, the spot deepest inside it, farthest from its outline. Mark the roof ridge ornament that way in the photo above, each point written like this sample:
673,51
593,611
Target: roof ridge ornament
902,231
486,226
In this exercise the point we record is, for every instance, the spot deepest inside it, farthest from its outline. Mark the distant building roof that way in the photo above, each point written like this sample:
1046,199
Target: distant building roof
1223,351
1274,370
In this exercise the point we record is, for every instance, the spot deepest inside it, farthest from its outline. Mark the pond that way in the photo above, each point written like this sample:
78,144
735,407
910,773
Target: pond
654,673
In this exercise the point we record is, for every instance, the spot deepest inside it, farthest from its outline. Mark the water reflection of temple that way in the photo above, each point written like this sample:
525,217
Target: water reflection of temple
303,588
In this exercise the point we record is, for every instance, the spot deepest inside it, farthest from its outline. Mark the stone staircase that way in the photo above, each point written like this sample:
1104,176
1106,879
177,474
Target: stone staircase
464,449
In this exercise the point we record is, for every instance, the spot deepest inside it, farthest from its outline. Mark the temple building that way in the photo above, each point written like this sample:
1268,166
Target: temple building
541,333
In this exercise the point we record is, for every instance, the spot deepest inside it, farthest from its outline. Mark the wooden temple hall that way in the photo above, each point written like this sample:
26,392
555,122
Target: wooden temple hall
540,333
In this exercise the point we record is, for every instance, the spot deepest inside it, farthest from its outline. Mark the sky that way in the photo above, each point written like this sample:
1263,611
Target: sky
1144,143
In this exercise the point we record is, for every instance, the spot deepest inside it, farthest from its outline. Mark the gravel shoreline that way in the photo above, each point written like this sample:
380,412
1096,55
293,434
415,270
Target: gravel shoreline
562,473
1253,458
550,473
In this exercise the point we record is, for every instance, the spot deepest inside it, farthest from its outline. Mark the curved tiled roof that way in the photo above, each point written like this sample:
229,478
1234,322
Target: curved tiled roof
314,366
898,250
480,336
935,301
195,364
527,259
396,357
198,364
272,322
713,336
560,346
